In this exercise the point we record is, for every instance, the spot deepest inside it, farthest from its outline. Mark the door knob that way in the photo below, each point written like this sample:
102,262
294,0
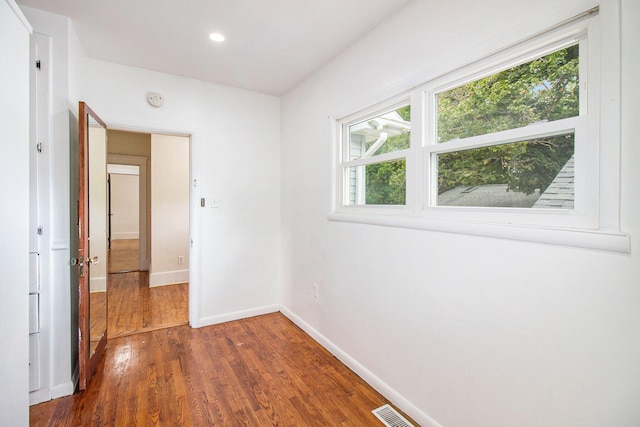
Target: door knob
93,260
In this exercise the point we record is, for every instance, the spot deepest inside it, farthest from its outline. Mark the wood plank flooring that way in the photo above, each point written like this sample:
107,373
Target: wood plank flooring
124,255
134,307
97,318
260,371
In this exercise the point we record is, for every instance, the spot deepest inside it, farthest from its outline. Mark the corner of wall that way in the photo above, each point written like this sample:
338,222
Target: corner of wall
374,381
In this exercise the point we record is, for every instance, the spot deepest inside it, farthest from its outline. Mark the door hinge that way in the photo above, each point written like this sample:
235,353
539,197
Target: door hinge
40,230
39,147
38,64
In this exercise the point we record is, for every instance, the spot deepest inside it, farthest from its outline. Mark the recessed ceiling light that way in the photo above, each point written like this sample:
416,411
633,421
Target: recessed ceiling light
216,37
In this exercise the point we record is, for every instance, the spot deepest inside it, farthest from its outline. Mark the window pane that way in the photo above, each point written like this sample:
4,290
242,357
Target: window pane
545,89
377,184
385,133
537,173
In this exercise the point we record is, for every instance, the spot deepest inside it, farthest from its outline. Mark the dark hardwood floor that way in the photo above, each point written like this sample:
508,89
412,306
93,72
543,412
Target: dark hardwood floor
134,307
260,371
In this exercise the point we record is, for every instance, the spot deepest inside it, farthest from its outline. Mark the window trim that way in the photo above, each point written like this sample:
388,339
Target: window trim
342,135
605,240
579,32
593,223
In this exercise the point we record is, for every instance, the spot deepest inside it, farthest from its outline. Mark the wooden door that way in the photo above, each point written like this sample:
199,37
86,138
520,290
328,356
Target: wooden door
92,309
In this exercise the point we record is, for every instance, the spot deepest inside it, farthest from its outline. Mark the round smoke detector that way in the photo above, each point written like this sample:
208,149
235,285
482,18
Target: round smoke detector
155,99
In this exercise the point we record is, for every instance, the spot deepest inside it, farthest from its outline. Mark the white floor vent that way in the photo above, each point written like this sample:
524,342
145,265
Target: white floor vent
390,417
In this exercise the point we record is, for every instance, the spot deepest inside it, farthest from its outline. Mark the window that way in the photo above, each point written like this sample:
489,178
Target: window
502,140
521,144
374,153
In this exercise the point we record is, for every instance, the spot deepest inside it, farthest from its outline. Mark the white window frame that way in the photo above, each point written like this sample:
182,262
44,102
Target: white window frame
594,221
343,165
585,126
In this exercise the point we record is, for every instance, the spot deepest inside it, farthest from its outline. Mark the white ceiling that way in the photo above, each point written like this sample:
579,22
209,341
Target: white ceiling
270,45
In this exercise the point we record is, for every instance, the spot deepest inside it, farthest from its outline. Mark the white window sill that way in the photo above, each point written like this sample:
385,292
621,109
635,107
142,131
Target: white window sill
611,241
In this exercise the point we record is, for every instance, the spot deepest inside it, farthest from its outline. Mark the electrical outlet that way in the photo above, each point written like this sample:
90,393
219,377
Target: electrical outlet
180,260
315,290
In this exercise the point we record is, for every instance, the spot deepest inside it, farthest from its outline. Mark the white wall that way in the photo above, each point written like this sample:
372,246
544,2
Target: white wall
461,330
14,187
235,142
169,210
125,206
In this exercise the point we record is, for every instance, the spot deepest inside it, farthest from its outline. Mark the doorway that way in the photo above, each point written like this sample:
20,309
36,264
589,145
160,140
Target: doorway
125,219
148,229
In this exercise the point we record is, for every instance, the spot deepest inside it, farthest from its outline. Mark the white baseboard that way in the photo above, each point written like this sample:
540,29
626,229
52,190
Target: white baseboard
237,315
168,278
375,382
125,235
62,390
39,396
55,392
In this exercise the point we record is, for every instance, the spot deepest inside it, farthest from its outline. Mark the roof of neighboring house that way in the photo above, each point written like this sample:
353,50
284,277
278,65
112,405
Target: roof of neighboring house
561,192
391,123
490,195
